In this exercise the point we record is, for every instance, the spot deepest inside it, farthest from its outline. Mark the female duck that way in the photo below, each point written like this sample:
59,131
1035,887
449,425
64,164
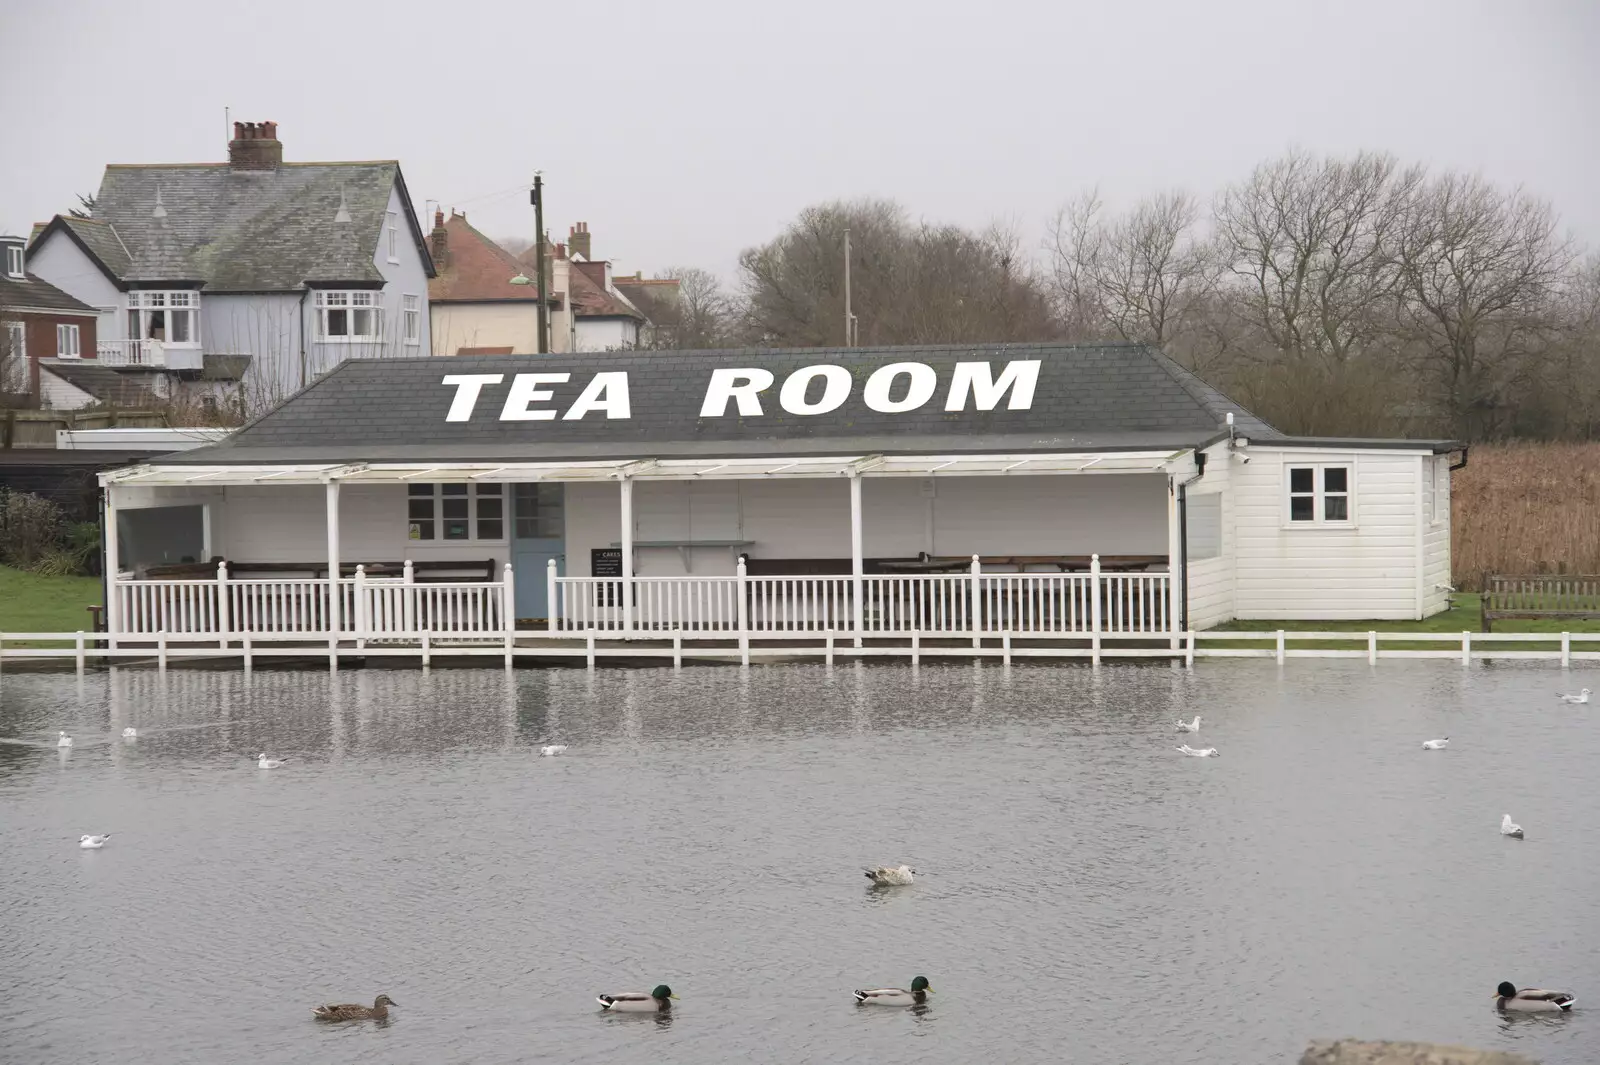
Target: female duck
349,1011
657,1001
894,996
1532,1000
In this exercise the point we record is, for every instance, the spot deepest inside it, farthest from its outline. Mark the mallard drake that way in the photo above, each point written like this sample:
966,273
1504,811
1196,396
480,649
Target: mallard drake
1188,726
1532,1000
891,875
1510,828
657,1001
894,996
63,740
349,1011
93,843
263,762
1436,745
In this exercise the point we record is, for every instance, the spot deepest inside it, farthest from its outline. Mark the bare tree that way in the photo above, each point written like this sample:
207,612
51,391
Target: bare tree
1480,272
699,316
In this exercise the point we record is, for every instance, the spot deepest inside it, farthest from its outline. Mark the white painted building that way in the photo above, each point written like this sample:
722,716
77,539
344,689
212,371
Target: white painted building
1069,495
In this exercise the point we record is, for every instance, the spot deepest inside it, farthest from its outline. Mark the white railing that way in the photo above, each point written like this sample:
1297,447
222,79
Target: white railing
971,604
369,608
130,352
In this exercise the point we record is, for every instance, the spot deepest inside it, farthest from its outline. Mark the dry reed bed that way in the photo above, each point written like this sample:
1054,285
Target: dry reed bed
1526,508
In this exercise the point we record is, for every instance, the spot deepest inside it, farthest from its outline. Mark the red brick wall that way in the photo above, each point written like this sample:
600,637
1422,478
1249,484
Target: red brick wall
41,339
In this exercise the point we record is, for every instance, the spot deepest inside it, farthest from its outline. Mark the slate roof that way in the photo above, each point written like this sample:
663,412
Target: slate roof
1105,397
34,294
476,269
591,300
242,230
103,383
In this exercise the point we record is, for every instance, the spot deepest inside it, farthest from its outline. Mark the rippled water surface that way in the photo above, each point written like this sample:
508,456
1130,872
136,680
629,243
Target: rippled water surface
1085,893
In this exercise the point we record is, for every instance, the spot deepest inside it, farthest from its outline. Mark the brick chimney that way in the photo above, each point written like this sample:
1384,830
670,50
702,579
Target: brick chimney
255,146
439,240
578,240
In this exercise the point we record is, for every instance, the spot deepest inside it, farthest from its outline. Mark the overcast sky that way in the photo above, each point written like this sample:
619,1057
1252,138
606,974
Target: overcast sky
684,131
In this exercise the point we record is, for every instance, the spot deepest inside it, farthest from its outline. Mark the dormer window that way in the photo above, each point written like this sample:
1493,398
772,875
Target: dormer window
170,317
14,261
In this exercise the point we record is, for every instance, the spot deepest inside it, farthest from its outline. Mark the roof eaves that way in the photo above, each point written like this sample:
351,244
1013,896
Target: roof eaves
60,222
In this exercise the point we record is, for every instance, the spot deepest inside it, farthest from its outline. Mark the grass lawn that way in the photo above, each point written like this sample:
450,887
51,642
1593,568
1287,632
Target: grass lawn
1463,616
30,603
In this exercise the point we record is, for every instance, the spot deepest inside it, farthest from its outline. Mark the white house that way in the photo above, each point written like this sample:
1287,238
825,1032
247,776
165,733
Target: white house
246,279
1059,494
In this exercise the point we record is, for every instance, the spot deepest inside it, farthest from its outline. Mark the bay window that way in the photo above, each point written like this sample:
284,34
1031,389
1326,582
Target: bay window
349,316
170,317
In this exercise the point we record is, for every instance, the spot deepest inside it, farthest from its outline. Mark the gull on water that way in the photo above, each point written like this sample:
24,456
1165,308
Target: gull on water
63,740
1581,697
1436,745
130,733
891,875
1200,752
1188,726
93,843
1510,828
263,762
553,749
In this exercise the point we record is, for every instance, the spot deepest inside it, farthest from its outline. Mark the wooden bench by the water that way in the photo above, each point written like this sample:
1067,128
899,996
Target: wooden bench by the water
1541,597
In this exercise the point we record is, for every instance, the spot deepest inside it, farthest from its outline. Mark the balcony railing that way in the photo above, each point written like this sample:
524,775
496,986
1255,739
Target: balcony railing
152,353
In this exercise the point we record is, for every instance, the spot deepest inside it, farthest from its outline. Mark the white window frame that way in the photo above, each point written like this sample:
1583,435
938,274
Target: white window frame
17,339
1319,494
15,262
411,315
68,342
331,302
1439,503
392,228
476,494
144,304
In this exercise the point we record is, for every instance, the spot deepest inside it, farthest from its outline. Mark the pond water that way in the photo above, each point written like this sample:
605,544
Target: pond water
1084,892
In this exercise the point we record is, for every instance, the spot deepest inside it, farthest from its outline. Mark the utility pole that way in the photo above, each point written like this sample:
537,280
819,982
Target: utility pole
537,197
849,319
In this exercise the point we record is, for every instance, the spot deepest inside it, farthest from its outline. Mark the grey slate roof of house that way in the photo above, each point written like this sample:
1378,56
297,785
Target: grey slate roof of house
1104,397
34,294
243,230
102,382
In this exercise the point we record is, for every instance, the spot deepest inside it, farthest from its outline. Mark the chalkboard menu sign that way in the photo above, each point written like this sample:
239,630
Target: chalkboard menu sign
606,562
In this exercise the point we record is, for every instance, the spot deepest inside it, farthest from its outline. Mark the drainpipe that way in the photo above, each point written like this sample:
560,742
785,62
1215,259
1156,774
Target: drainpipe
302,335
1183,535
105,581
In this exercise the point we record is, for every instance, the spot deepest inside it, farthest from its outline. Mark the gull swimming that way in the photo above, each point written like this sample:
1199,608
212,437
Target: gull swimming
130,733
891,875
1436,745
263,762
1201,752
64,740
1188,726
553,749
1510,828
1581,697
93,843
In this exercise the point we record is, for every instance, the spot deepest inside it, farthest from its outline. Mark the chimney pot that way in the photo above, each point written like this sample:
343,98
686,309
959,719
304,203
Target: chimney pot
579,240
255,146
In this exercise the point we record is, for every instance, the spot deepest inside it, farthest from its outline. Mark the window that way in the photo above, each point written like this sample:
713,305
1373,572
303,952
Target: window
540,512
14,260
349,316
1438,469
170,317
67,342
16,341
393,231
1319,494
412,306
455,512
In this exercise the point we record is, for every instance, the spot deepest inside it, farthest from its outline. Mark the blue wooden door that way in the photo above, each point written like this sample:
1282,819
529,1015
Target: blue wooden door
538,534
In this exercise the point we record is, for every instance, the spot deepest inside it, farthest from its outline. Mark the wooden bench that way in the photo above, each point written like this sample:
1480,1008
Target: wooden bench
1540,597
428,571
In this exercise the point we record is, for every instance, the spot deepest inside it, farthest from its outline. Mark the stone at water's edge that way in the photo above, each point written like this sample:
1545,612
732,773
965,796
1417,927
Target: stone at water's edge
1356,1052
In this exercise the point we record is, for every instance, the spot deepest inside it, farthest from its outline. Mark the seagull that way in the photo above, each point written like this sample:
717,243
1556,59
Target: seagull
93,843
1436,745
1202,752
551,750
891,875
130,733
1509,828
263,762
1581,697
64,740
1188,726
